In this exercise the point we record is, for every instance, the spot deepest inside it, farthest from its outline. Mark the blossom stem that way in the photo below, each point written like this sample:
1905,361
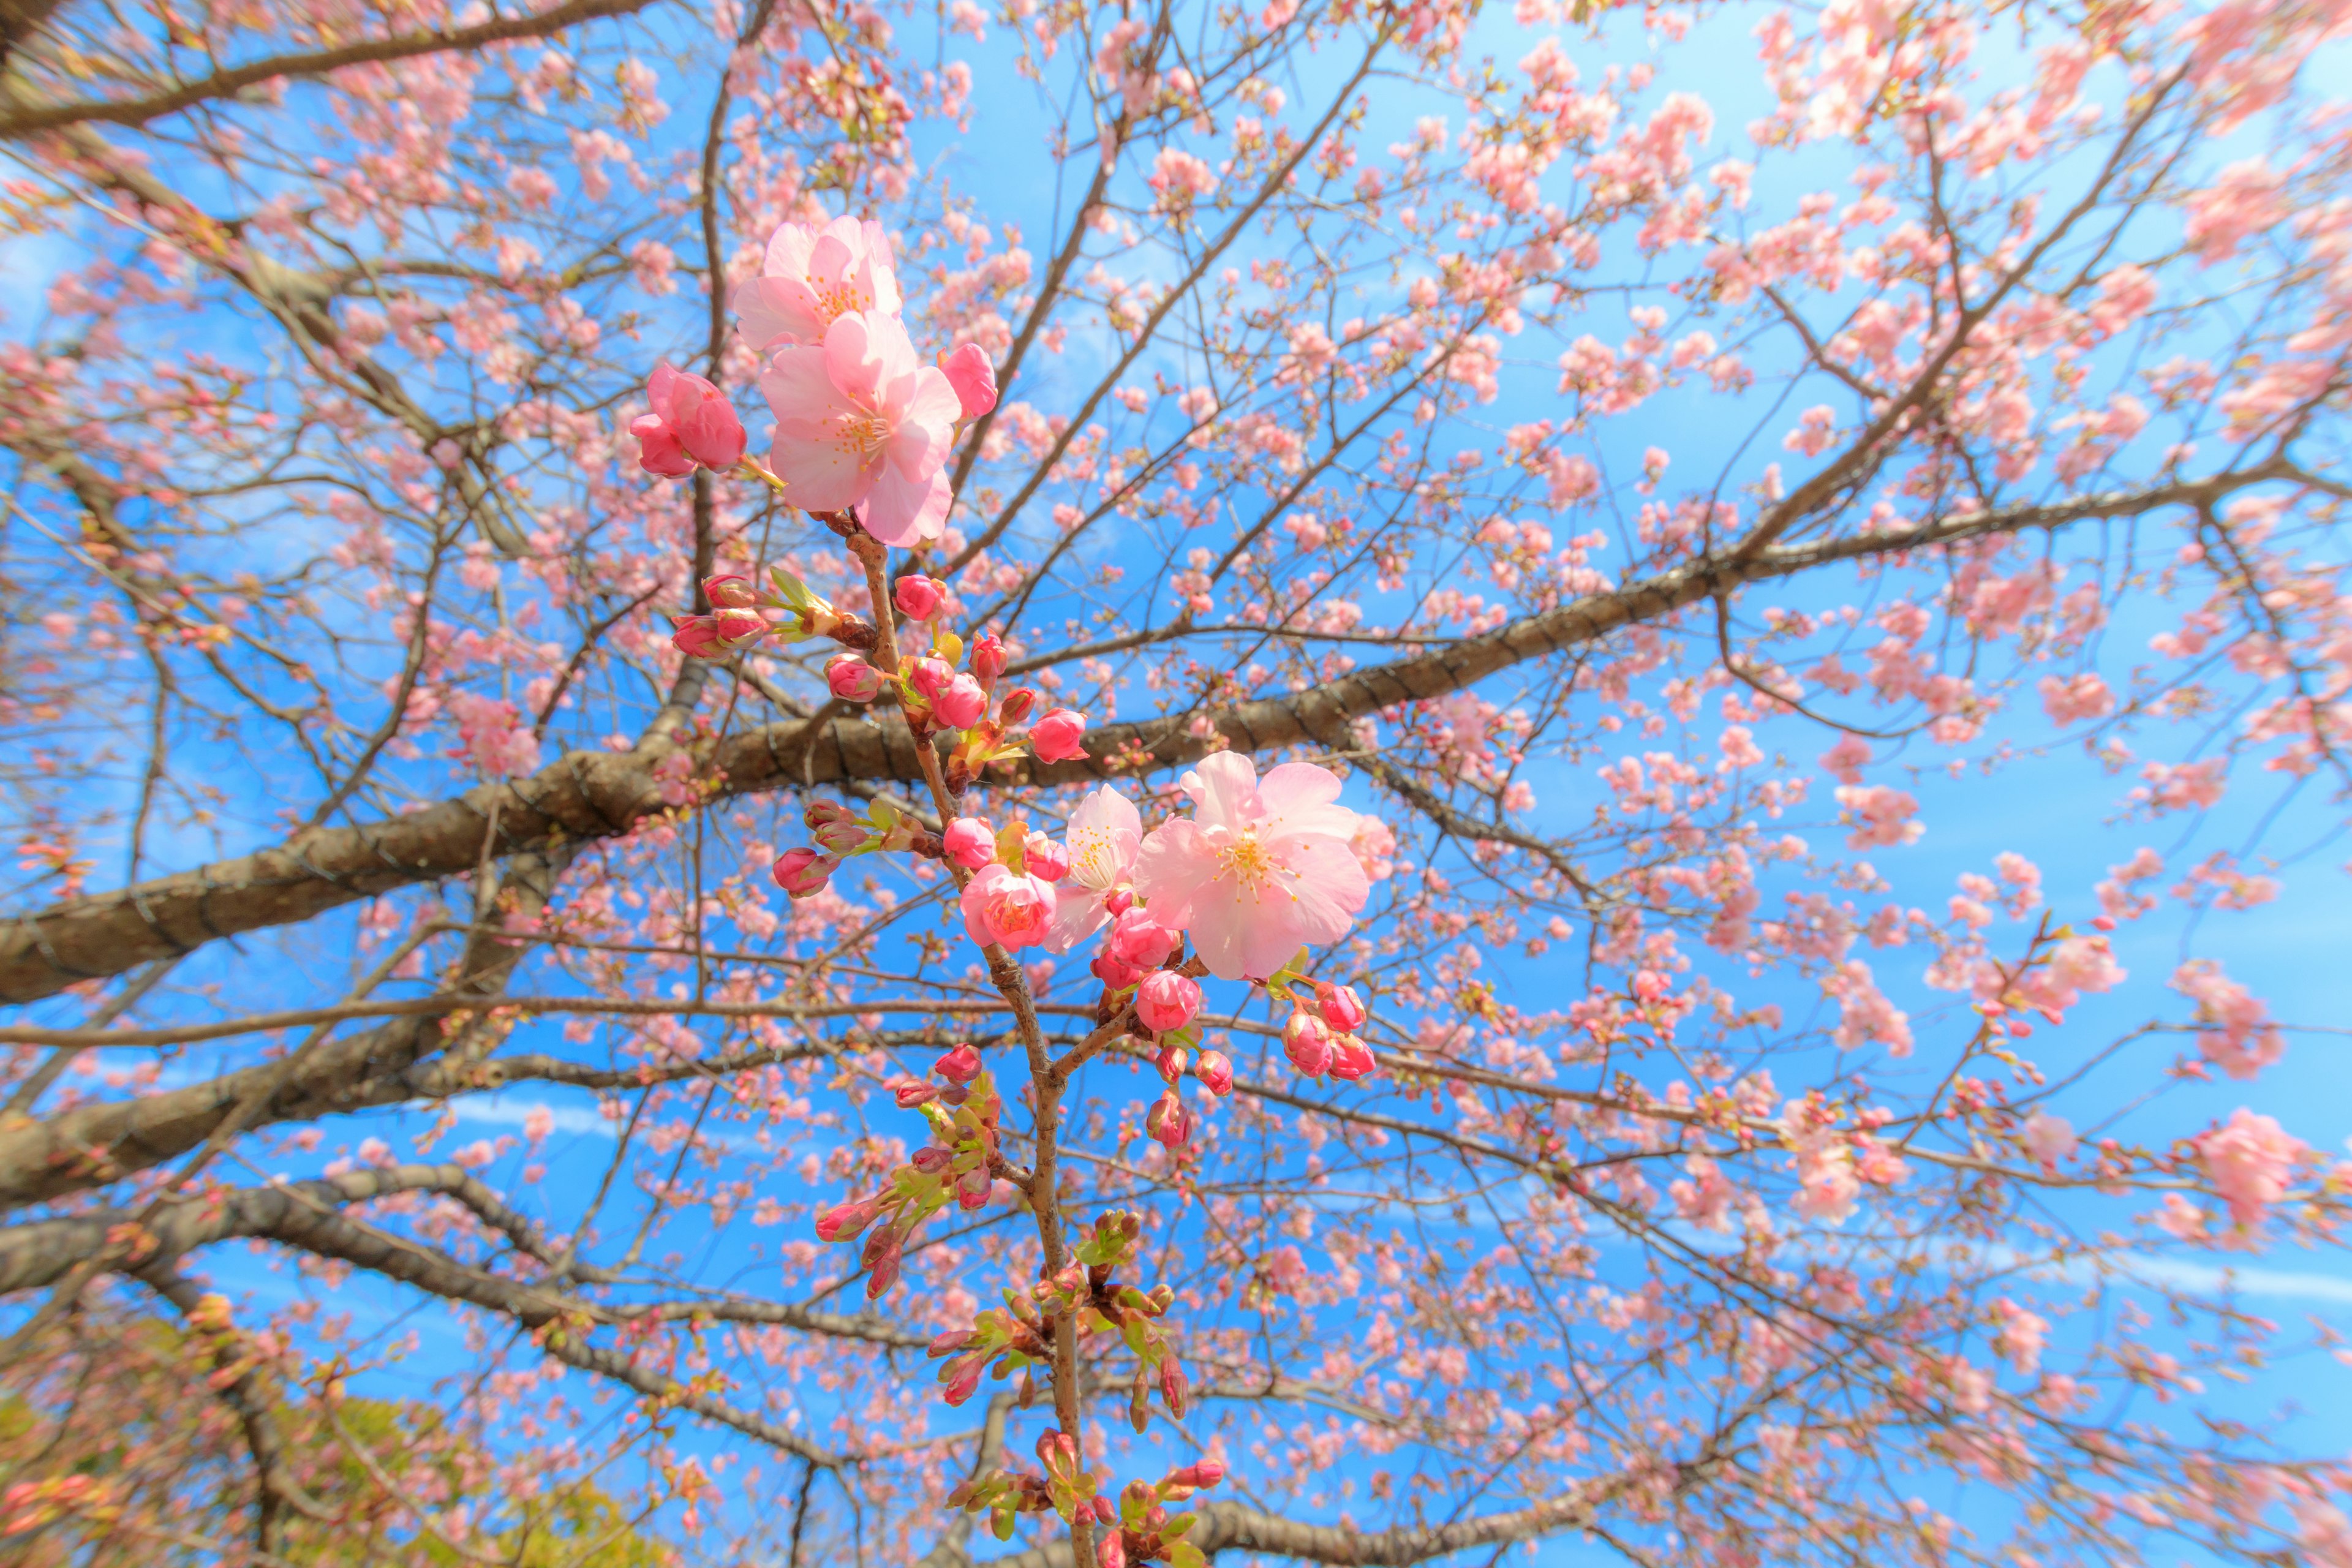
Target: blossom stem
1046,1085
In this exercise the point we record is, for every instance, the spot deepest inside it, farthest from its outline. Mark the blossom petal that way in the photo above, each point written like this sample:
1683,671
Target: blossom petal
1224,787
1299,797
1171,865
900,513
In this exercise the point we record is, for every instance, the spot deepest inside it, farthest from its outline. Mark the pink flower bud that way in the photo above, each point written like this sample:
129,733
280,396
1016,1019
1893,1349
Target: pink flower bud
1004,907
1104,1512
912,1092
695,636
931,677
1118,901
970,372
948,1342
971,843
658,451
1308,1043
1168,1122
1215,1071
974,1188
918,598
1107,969
692,422
930,1161
963,1380
1057,736
1342,1007
960,703
988,657
960,1065
803,872
1201,1475
1046,857
1351,1058
844,1221
852,679
1173,1385
1170,1062
1018,704
1112,1551
1140,940
885,1269
838,838
1166,1000
732,591
737,628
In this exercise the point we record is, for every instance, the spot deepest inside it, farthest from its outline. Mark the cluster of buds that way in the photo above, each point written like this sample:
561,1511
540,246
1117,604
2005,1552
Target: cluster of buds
738,617
1321,1037
1145,1531
959,1162
1067,1487
1086,1292
841,833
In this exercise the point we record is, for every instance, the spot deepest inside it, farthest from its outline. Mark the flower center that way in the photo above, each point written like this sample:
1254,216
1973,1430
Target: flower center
838,299
1246,862
1094,864
863,435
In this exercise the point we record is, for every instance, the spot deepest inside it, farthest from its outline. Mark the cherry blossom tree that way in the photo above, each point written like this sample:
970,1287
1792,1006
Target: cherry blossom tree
1171,772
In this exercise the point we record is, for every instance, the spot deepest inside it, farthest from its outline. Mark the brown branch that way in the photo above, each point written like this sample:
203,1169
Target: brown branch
598,794
22,120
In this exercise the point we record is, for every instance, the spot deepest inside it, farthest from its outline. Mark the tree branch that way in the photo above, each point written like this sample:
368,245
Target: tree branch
597,795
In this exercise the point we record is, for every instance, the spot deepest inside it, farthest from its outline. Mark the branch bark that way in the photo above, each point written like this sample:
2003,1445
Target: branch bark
18,18
597,795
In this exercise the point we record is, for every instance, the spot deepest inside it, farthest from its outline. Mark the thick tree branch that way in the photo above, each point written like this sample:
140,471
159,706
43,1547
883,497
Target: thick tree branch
588,795
19,119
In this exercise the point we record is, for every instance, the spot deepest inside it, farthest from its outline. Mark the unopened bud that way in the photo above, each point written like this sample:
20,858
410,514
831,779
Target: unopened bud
988,657
971,843
1166,1000
960,703
852,679
1018,704
1342,1007
1307,1042
931,677
803,872
1215,1071
730,591
960,1065
1044,856
918,598
913,1092
1141,940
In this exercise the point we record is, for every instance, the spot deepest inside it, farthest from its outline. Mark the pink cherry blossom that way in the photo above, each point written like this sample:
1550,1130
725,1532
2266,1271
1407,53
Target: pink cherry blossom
804,873
1166,1000
1055,736
813,276
692,425
861,423
853,679
1105,832
1263,867
974,375
1008,908
917,598
2048,1139
971,843
960,703
2249,1159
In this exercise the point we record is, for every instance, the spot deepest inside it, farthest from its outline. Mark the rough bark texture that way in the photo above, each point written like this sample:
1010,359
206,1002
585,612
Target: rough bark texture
19,18
594,795
1231,1527
97,1143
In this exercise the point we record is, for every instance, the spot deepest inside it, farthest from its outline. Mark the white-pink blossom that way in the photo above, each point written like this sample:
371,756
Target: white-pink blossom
861,421
811,276
1263,869
1105,831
